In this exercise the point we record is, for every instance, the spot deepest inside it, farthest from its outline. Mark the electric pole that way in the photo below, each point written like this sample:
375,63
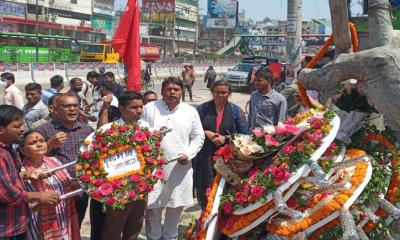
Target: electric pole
293,40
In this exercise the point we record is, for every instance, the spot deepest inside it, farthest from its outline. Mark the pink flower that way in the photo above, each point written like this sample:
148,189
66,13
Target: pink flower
111,201
228,207
159,174
290,121
148,133
281,174
140,136
98,182
271,168
85,155
257,191
85,178
96,193
157,144
245,187
316,136
137,128
279,130
253,173
117,183
146,147
208,191
98,138
149,188
288,149
270,141
132,195
258,132
292,129
142,186
106,189
135,178
122,128
240,198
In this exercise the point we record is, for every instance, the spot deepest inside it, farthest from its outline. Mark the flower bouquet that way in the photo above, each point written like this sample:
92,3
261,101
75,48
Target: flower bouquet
118,164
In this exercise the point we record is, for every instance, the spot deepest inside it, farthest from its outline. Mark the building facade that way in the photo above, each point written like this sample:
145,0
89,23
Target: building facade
55,17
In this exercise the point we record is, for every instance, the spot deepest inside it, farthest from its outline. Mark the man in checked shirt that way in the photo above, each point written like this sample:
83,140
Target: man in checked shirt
64,135
14,199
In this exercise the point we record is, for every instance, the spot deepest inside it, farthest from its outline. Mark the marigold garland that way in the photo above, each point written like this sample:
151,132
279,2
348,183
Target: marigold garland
201,232
334,205
392,193
302,91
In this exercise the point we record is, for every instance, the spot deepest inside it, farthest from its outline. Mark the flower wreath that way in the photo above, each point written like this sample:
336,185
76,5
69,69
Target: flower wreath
392,193
113,141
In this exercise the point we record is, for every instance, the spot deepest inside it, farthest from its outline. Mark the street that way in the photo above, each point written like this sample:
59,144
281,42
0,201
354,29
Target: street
201,94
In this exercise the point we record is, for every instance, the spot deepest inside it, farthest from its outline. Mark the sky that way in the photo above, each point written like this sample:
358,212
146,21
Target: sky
274,9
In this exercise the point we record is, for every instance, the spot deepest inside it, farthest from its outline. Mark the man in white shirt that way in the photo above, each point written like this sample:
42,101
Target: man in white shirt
35,109
182,143
13,96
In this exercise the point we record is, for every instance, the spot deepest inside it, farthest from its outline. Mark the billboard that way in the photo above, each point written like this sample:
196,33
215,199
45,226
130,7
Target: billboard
104,7
9,8
221,13
158,10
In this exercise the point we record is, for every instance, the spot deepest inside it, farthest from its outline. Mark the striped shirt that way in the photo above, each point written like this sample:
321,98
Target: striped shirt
67,152
14,211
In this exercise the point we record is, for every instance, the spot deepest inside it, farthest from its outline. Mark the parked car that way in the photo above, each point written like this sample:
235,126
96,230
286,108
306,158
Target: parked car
237,76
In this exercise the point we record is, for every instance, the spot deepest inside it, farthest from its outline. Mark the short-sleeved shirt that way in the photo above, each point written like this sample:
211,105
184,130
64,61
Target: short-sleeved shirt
68,151
14,211
13,96
266,109
47,94
35,113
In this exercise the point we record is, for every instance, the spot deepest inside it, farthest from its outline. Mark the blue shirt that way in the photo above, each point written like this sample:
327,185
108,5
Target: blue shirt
47,94
266,109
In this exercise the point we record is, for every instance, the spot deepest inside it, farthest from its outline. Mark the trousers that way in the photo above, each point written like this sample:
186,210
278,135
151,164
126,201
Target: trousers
154,229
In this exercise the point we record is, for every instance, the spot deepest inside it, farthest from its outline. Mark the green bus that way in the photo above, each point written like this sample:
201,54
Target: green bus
21,48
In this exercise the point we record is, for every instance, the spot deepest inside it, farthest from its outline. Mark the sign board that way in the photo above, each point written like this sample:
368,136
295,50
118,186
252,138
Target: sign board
15,9
221,13
105,7
103,23
121,163
158,10
291,26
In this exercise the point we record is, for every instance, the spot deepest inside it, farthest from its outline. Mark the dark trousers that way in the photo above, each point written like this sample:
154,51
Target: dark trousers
110,225
18,237
189,89
81,203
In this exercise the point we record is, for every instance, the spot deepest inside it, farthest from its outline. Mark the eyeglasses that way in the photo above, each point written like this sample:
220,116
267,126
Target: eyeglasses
69,106
220,93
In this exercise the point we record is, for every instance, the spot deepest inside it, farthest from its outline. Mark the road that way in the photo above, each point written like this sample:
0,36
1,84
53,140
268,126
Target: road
200,94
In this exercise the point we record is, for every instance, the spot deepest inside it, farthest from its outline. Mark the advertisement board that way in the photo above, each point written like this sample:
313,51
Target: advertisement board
15,9
158,10
221,13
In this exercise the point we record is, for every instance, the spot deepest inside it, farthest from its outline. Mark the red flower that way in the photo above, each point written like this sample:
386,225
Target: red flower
271,168
253,173
161,161
228,207
135,178
132,195
159,174
122,128
96,193
98,182
111,201
85,155
85,178
288,149
257,191
292,203
223,152
316,136
291,129
148,133
146,147
142,186
245,187
140,136
149,188
117,183
240,198
106,189
281,174
157,144
137,128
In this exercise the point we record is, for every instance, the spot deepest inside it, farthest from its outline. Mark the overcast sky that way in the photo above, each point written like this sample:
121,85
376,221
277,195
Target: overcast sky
275,9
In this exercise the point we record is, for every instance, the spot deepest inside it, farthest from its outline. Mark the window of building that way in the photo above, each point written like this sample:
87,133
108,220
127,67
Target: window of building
74,1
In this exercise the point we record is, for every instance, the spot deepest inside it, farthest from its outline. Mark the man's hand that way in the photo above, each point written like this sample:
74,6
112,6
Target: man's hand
183,159
107,101
158,135
218,140
57,140
92,118
36,174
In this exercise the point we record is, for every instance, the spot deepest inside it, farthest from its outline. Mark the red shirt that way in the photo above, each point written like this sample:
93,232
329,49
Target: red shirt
14,210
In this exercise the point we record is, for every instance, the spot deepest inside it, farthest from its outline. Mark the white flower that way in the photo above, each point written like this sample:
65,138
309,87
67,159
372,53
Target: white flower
269,129
255,148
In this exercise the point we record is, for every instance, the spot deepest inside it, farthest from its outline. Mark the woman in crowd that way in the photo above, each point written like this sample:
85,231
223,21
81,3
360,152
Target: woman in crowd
60,222
219,118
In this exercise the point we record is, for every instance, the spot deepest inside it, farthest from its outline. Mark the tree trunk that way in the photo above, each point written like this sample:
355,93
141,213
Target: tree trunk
380,23
341,33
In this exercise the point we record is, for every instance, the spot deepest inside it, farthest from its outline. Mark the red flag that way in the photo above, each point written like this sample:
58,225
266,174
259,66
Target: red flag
127,43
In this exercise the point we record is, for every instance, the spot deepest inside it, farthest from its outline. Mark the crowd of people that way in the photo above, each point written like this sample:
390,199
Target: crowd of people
48,130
